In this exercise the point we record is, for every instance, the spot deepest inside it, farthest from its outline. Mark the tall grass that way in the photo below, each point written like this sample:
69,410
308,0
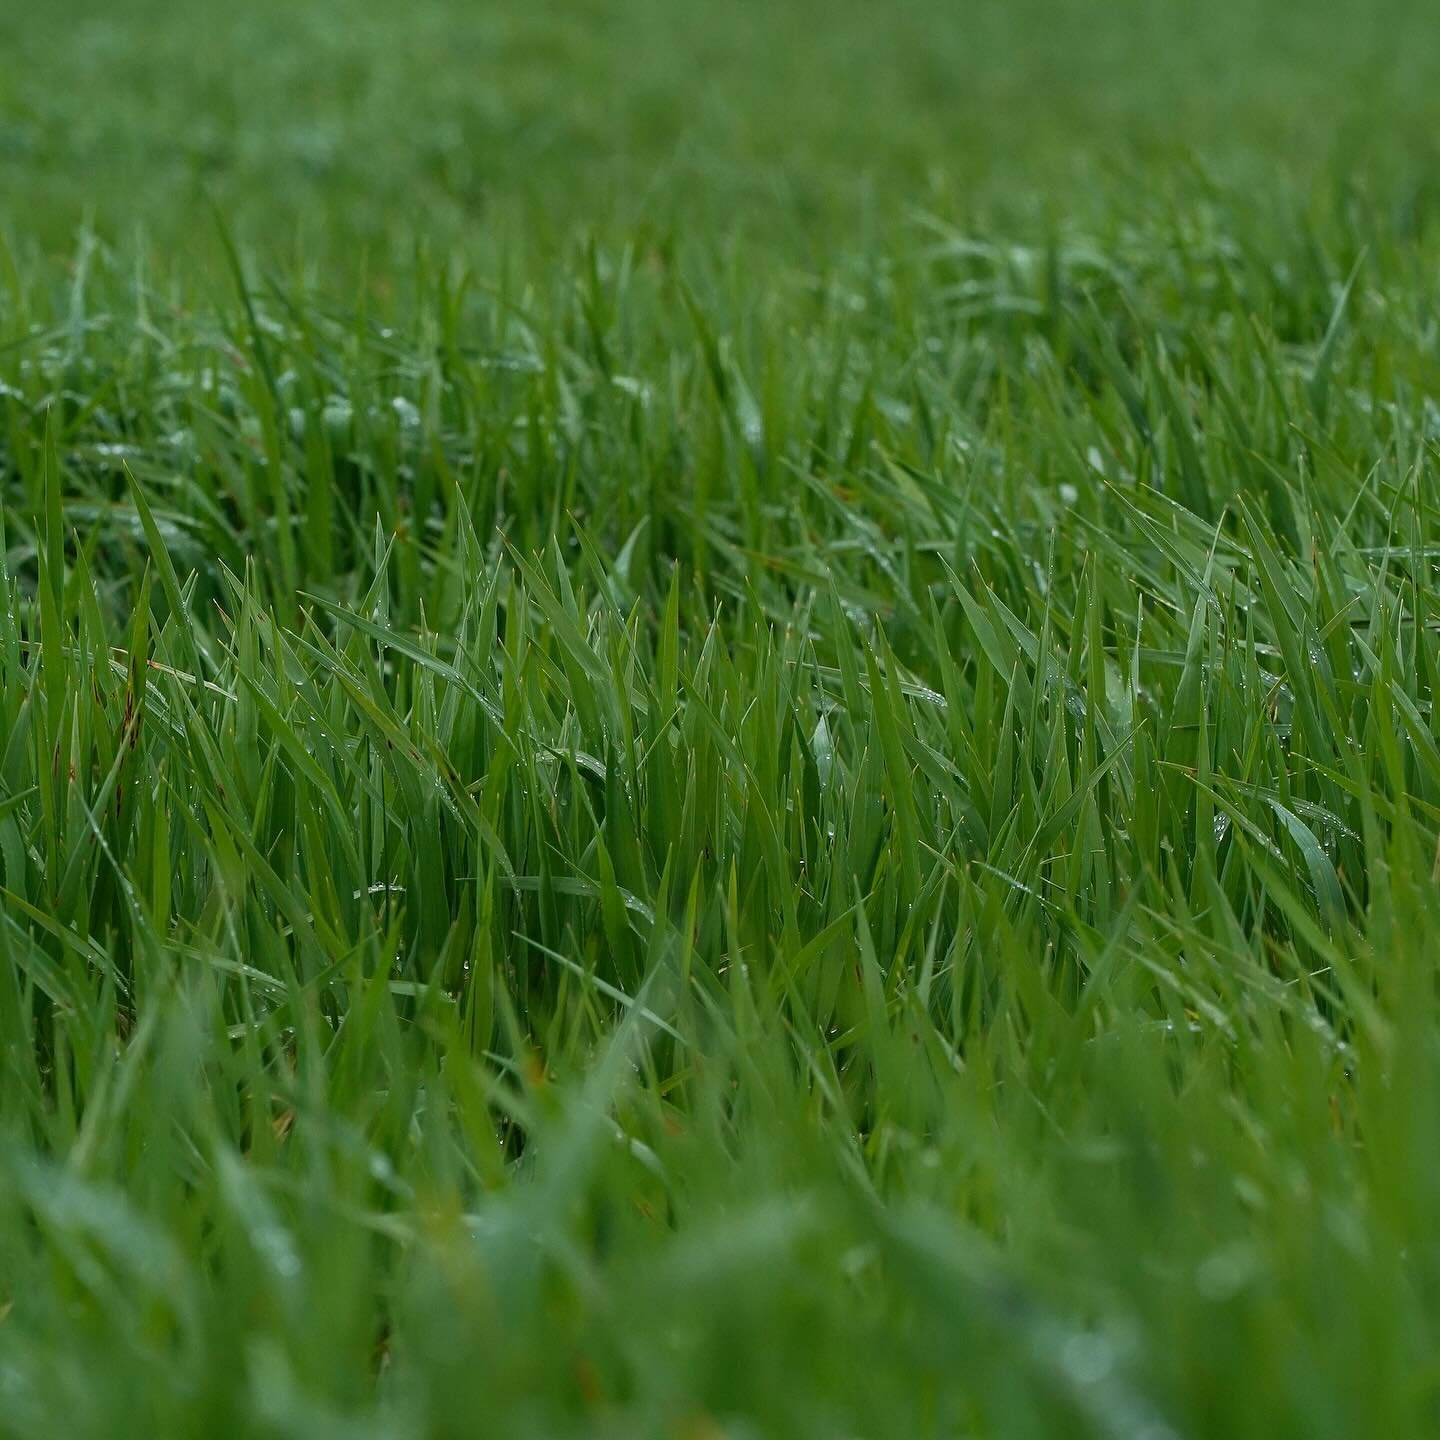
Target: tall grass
706,832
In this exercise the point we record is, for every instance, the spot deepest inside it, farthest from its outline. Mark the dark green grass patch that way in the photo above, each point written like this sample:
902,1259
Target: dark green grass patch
666,828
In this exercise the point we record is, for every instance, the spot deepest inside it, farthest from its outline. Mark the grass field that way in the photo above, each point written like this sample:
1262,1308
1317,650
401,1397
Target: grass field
719,720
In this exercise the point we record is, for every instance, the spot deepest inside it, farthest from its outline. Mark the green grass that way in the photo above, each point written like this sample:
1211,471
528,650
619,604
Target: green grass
719,721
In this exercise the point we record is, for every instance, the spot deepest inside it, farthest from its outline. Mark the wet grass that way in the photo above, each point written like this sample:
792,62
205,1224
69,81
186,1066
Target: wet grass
719,727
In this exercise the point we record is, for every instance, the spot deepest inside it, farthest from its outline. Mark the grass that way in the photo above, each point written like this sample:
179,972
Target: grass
719,724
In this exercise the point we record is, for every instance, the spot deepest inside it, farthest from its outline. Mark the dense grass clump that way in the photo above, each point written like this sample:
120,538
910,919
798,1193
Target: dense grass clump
719,726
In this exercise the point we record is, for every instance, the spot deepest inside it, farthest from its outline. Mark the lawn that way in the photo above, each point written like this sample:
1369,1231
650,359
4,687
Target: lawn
717,721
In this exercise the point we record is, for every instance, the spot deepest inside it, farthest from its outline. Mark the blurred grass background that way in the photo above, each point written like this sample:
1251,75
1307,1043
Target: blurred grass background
353,127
